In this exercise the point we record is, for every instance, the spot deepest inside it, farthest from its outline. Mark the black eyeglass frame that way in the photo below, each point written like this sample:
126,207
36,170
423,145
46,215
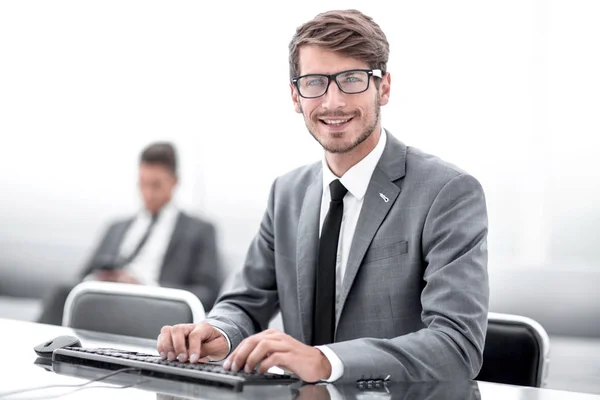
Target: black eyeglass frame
375,73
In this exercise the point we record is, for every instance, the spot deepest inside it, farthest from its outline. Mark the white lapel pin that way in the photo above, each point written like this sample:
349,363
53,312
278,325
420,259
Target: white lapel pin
384,197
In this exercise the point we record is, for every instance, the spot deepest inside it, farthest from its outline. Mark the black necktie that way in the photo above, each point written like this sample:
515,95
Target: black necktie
142,241
324,310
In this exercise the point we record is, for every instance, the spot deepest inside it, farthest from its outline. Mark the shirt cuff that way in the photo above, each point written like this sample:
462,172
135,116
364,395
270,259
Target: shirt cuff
337,368
228,341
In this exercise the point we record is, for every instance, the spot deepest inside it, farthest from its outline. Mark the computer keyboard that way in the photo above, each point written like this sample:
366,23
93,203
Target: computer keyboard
153,365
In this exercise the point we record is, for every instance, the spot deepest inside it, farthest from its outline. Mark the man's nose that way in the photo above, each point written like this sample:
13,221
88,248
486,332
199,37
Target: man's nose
334,98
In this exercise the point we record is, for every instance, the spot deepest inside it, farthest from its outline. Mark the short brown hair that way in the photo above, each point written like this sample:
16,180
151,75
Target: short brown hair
161,153
348,32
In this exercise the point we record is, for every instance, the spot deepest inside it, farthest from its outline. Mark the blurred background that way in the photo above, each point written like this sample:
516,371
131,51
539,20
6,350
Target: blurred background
507,90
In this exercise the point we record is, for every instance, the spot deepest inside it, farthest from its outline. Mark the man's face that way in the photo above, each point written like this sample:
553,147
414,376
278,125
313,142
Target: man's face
340,122
157,184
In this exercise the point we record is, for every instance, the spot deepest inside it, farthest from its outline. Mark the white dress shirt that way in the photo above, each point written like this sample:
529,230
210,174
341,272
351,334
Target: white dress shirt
356,180
146,266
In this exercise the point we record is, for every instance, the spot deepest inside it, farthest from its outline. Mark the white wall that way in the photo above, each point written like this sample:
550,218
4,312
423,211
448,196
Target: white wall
507,90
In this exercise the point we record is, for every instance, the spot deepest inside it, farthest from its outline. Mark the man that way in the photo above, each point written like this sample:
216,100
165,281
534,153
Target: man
161,245
376,257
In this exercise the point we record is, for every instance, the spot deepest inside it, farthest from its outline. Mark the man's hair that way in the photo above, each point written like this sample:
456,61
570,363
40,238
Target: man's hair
161,153
348,32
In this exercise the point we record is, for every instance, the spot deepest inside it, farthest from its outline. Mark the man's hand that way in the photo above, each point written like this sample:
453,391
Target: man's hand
275,348
117,275
204,343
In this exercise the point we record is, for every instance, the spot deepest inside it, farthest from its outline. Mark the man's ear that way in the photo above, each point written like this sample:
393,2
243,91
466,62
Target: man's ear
384,89
295,99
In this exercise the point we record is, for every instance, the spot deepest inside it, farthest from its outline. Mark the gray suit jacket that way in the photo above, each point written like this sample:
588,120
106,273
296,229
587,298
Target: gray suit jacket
191,261
415,293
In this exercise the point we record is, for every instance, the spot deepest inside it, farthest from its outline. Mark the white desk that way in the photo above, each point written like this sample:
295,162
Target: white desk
19,371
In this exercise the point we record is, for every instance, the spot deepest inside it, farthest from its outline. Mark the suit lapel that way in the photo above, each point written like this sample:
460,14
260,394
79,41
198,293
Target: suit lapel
119,237
372,214
380,197
307,244
178,234
113,247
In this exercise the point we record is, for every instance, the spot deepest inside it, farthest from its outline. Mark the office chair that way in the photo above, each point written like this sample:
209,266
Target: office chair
131,310
516,351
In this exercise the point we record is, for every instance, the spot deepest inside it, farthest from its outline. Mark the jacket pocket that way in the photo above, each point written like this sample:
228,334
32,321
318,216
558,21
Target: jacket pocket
384,251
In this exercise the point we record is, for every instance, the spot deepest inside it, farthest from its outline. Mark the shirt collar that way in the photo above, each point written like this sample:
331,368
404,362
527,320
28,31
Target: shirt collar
357,178
168,208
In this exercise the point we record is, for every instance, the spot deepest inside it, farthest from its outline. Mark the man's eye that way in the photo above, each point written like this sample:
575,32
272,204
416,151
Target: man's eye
315,82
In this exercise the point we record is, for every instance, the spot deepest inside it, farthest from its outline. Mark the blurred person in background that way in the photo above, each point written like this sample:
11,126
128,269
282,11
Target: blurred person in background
161,245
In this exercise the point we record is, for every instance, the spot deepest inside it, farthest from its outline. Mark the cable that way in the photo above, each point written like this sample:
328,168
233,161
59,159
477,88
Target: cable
81,385
44,397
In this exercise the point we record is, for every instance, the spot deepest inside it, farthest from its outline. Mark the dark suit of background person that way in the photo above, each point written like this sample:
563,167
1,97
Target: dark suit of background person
161,245
190,262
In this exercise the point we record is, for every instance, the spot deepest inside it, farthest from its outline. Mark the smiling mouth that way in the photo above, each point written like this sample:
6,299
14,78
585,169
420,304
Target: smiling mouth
335,122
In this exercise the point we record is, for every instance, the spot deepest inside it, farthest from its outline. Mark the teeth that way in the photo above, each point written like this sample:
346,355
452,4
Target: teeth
335,121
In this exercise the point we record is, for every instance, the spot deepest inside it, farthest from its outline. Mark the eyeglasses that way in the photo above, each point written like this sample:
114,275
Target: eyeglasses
352,81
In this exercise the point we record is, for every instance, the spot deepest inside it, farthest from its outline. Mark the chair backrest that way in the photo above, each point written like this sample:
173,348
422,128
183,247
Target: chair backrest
131,310
516,351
